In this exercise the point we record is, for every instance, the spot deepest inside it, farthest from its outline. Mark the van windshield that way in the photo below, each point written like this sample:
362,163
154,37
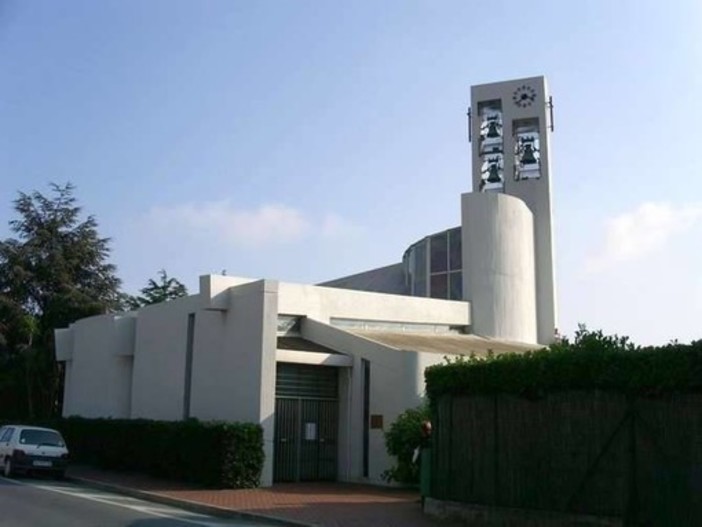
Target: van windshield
41,437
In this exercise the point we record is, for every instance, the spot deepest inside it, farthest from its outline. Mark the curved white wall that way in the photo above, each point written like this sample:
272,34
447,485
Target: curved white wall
498,266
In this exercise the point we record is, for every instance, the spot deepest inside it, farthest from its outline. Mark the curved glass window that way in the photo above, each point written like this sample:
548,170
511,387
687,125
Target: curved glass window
455,251
433,266
439,252
439,285
419,280
456,285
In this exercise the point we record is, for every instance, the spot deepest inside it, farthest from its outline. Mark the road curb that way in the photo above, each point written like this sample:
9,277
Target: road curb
192,506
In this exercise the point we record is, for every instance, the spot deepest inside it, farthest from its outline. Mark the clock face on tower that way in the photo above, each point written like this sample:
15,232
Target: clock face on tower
524,96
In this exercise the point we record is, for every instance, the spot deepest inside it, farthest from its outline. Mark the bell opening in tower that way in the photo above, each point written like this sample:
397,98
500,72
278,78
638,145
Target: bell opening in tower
491,146
527,149
492,173
491,129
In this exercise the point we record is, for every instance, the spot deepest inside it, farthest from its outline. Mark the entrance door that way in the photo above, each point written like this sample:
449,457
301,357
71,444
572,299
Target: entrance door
306,428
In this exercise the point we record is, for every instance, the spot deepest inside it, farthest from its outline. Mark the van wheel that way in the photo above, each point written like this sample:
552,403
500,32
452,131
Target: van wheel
60,474
7,468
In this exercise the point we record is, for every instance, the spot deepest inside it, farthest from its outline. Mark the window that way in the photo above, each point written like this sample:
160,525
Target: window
289,325
439,286
439,252
434,264
456,286
6,435
455,255
40,437
419,286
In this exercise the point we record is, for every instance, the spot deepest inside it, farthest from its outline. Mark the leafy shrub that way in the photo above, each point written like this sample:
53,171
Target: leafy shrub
401,440
592,361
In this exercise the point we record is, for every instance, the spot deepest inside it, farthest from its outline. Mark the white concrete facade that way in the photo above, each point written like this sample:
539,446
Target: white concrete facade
135,365
524,101
97,353
509,128
215,355
498,256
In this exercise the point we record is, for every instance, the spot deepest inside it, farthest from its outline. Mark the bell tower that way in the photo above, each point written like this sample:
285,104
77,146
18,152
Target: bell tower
509,124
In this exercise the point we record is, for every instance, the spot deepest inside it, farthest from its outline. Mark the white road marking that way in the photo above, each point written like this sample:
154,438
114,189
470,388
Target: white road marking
97,494
135,505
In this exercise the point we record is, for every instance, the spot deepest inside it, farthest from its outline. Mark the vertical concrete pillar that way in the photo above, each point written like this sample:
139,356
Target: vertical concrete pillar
498,266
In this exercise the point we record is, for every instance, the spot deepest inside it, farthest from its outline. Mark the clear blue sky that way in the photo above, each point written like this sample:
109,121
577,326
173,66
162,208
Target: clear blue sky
306,140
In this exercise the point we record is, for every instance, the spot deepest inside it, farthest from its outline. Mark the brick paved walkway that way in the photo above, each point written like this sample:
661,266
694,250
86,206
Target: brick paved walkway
323,504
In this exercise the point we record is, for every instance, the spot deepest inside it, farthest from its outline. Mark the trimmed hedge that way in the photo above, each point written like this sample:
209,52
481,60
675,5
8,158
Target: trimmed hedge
592,361
213,454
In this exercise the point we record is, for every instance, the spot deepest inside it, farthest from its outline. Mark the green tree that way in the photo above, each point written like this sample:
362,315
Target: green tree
53,272
166,288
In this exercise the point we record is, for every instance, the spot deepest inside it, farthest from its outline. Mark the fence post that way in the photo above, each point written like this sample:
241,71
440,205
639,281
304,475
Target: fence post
631,515
496,451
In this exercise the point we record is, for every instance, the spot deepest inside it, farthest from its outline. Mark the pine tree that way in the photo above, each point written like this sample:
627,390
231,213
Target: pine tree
166,288
53,272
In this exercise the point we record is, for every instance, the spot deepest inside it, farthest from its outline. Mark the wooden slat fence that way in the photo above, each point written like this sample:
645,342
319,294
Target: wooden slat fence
593,453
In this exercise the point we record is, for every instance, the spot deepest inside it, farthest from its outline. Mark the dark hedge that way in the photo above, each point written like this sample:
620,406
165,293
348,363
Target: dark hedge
213,454
591,361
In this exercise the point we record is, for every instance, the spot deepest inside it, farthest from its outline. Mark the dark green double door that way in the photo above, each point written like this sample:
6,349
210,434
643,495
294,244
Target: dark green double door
305,439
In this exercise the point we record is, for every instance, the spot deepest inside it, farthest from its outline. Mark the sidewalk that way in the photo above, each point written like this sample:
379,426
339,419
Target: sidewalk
319,504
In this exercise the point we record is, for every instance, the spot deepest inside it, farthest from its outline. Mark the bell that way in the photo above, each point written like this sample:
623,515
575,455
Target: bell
494,173
528,157
493,130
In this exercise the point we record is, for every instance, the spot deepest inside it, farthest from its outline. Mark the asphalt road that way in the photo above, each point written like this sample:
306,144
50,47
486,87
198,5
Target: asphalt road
29,502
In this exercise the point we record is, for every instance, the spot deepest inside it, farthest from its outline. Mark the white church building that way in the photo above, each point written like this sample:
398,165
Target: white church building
326,368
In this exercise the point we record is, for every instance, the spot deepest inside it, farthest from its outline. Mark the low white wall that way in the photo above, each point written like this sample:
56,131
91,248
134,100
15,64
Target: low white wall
98,376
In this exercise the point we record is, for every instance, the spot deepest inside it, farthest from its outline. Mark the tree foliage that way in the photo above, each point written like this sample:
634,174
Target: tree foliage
52,272
401,441
166,288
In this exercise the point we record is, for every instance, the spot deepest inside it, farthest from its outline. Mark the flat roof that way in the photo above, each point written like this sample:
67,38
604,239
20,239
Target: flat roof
445,343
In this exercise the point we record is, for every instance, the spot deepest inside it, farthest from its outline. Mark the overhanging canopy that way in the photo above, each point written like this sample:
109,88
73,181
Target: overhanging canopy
445,343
